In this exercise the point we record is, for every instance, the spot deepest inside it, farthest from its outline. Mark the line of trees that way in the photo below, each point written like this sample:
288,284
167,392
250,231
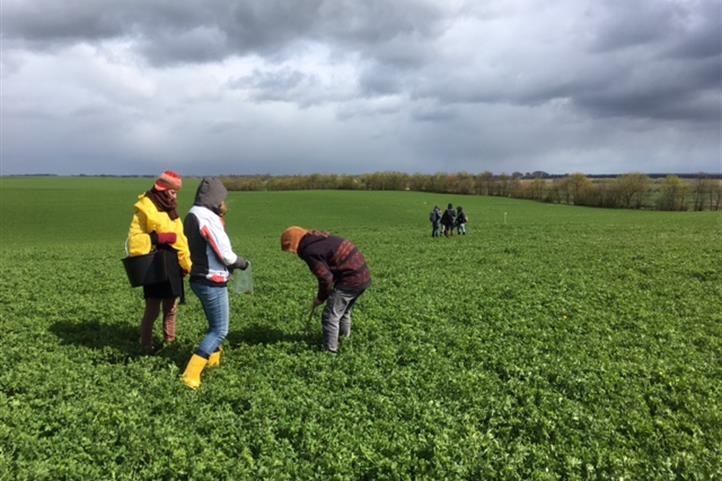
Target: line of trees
629,191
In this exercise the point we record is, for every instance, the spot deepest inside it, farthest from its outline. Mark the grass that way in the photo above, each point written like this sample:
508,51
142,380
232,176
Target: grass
568,343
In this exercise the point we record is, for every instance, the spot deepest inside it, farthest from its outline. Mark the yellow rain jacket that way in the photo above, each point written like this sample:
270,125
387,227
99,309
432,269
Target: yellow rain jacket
146,219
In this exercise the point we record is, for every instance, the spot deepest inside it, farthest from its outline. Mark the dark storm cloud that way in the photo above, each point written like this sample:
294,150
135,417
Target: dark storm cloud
163,30
671,90
196,45
166,30
702,39
624,24
440,83
689,29
676,72
284,85
396,40
667,68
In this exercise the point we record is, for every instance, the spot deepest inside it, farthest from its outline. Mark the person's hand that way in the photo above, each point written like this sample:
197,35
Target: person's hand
163,237
167,238
240,263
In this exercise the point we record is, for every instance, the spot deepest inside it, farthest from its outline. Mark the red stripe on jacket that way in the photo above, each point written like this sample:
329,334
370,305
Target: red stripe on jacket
206,232
336,263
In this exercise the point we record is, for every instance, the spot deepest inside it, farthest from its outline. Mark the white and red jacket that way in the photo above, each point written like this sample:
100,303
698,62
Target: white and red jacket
210,247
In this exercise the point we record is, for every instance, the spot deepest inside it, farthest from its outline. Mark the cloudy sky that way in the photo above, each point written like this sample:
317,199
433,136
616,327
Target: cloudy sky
350,86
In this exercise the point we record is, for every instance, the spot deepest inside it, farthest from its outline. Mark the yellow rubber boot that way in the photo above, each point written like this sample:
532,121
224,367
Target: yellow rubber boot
215,359
192,375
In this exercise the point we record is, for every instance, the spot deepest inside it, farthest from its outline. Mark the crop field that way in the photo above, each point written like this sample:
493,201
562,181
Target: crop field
566,343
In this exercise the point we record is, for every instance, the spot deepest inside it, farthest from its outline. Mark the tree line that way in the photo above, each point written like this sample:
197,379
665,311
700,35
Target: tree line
628,191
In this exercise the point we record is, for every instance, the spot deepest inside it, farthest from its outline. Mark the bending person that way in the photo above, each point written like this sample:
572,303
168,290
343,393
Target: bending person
342,277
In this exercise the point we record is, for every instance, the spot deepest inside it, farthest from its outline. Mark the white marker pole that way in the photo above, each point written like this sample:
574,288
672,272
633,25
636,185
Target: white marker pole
504,218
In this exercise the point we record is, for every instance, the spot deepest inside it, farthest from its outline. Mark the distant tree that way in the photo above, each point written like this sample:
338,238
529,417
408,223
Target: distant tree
672,194
502,185
451,183
574,187
537,187
420,183
590,194
552,193
244,183
703,190
626,191
465,183
607,195
396,180
347,182
440,182
313,181
515,186
375,181
715,202
632,189
484,183
520,189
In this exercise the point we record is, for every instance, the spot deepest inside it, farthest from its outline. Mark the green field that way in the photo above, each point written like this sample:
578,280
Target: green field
569,343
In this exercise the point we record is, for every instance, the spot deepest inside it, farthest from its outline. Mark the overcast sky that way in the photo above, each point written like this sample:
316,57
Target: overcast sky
355,86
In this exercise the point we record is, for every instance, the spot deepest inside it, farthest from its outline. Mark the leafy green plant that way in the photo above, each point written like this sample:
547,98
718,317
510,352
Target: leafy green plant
567,343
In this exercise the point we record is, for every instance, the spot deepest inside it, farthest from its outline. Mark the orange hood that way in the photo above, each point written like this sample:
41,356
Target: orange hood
291,238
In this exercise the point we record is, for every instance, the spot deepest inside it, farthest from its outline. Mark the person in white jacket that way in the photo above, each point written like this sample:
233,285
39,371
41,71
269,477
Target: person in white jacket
213,261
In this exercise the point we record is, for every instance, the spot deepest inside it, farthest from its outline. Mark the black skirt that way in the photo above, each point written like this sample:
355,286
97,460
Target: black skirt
173,287
164,290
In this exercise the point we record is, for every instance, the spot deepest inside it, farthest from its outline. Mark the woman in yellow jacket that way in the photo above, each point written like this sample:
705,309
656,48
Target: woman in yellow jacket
156,225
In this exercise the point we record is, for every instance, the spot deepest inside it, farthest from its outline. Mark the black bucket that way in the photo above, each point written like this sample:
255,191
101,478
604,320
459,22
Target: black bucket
151,268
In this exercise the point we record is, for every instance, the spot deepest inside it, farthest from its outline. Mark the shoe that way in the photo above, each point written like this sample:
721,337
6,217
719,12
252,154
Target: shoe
215,359
192,375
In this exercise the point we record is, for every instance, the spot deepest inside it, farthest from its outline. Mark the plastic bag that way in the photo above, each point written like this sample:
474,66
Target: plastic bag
242,281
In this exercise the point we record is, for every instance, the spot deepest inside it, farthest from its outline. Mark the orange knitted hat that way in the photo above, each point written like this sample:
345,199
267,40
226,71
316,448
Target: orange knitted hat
291,238
168,180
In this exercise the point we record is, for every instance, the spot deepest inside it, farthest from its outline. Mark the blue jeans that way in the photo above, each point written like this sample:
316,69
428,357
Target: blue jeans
436,229
215,306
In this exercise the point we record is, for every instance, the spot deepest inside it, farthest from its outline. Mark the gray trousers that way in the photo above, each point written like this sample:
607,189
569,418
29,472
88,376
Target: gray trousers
336,317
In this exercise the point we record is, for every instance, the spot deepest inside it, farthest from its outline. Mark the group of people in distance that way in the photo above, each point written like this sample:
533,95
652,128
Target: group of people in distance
203,251
450,219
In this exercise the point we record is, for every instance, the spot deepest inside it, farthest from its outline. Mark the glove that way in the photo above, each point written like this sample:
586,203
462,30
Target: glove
162,238
240,263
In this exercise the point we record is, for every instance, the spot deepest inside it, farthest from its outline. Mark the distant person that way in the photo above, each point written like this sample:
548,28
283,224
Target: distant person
342,276
448,219
461,220
435,218
213,261
156,225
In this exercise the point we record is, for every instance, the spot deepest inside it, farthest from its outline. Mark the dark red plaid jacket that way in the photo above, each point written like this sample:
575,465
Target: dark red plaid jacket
336,262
